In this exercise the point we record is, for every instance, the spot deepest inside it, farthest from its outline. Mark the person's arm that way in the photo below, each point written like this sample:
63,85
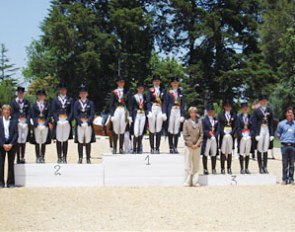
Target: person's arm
149,101
91,116
76,113
54,110
200,140
279,130
70,117
271,121
112,103
35,120
15,134
182,106
206,130
254,123
48,118
239,127
186,135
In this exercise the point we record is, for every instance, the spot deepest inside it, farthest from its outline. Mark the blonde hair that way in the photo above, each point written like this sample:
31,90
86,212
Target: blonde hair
6,106
192,108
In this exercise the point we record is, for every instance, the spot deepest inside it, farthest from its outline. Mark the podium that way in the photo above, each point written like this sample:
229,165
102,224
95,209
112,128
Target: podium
143,170
127,170
58,175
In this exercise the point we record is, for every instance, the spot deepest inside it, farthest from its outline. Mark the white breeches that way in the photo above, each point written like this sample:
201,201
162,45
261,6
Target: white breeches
245,146
192,164
84,134
41,133
23,130
227,144
263,143
139,124
119,121
156,121
174,121
63,130
211,147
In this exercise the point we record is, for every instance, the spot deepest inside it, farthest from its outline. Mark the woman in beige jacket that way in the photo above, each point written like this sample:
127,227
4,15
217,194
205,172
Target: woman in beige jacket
193,137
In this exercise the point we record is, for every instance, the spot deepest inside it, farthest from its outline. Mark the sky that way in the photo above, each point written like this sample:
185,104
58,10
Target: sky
20,22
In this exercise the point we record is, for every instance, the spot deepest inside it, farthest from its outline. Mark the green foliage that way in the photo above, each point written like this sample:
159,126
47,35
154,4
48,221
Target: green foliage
7,91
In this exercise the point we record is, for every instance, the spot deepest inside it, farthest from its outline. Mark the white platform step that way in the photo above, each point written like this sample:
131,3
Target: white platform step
237,179
143,170
58,175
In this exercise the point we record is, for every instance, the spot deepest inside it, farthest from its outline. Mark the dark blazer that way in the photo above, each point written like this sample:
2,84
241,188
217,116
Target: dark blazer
169,102
15,114
257,120
151,97
13,132
240,126
207,127
114,101
222,122
35,115
88,113
56,109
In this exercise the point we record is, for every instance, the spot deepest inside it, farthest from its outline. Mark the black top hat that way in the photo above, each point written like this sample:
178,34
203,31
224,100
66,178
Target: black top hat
263,97
227,102
20,89
62,85
209,107
174,79
41,92
139,84
244,104
82,88
156,77
119,78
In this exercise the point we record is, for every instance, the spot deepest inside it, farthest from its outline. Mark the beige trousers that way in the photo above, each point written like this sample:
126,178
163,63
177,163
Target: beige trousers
192,166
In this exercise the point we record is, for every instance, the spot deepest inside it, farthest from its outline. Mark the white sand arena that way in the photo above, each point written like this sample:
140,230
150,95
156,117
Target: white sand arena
147,208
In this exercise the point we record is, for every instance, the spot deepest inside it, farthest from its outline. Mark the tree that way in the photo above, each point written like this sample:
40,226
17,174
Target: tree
7,70
92,41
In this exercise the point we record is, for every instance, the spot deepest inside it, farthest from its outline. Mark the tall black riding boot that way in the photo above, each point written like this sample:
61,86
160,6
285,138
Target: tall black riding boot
139,144
115,141
171,145
205,165
37,151
59,152
80,152
43,150
242,164
229,159
23,152
222,163
247,159
121,143
176,143
65,151
18,153
213,163
152,142
158,142
88,153
265,157
259,160
135,144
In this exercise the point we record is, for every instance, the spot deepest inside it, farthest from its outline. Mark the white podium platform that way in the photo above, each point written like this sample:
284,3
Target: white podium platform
237,179
126,170
143,170
58,175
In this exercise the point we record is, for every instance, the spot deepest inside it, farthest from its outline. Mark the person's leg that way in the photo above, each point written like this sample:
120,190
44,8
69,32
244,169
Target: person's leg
43,150
241,157
18,153
188,166
247,159
205,165
222,163
292,160
37,151
159,125
171,131
88,153
59,151
2,167
135,142
176,130
80,152
65,151
152,130
259,161
196,166
23,152
176,137
284,151
10,176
